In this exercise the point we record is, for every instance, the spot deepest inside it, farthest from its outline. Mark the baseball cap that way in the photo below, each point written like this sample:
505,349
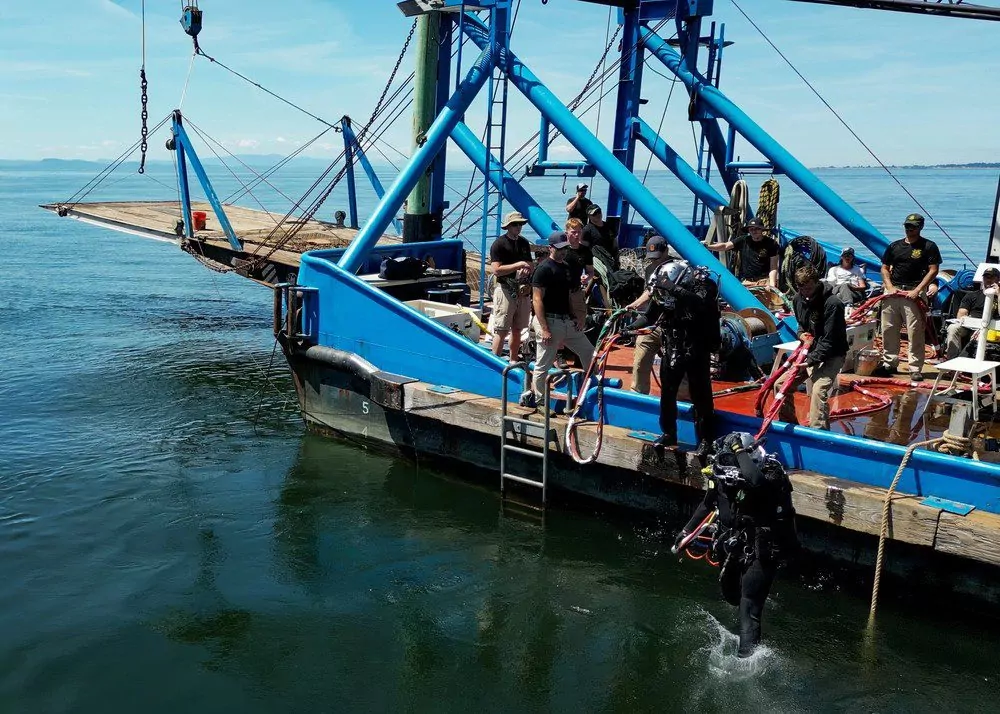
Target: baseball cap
847,251
914,219
656,247
992,272
594,210
755,223
558,240
580,185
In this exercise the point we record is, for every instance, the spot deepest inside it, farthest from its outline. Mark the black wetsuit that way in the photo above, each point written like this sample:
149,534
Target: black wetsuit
688,318
755,531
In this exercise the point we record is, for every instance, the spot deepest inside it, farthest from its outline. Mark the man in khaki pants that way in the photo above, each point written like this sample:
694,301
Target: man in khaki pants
820,315
909,267
555,325
648,346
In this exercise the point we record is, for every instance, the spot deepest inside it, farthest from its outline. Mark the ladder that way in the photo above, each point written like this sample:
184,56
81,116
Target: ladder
512,425
494,139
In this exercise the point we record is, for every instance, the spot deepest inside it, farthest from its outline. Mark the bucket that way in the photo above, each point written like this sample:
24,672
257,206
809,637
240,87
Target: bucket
437,295
867,361
198,218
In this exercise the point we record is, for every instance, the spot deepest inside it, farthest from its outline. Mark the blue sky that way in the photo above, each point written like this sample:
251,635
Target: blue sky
917,89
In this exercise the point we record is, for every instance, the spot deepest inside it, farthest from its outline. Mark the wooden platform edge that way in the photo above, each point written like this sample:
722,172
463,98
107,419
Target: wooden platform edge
843,504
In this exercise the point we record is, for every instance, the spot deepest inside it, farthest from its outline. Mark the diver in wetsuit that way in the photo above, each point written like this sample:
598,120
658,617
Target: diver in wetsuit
754,530
685,306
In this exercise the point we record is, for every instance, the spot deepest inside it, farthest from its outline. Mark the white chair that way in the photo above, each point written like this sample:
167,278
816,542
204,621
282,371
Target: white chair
976,369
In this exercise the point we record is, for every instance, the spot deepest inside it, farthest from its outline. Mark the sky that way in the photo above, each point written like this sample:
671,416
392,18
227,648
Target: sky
918,90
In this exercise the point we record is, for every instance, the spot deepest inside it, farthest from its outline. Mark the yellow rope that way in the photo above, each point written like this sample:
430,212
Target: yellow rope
947,443
767,204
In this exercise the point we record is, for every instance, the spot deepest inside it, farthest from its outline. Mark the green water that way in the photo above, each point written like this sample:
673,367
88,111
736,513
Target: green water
171,540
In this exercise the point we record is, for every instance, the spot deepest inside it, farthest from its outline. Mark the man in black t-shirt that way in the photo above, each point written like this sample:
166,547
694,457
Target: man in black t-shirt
972,305
580,263
511,263
909,267
554,323
578,206
757,252
597,233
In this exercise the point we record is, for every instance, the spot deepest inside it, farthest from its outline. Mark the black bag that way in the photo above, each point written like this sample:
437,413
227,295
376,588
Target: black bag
625,286
405,268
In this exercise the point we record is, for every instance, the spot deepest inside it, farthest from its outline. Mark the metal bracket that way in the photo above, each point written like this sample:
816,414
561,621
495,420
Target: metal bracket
961,509
644,435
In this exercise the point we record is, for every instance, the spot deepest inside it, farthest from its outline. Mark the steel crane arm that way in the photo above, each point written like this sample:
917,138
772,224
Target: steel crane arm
946,8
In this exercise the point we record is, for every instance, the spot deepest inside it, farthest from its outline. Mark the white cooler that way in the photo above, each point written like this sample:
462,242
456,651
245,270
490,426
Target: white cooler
454,317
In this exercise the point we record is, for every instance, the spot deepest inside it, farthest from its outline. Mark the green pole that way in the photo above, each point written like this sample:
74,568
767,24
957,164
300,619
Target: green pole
417,221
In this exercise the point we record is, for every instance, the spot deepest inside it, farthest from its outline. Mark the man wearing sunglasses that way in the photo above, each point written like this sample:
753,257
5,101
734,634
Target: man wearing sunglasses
909,268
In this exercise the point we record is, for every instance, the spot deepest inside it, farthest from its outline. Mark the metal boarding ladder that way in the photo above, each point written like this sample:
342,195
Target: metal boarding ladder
527,428
496,131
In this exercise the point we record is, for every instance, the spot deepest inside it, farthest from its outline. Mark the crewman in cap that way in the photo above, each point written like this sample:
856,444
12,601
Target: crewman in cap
649,345
909,268
972,305
597,234
578,206
511,263
757,254
555,325
847,279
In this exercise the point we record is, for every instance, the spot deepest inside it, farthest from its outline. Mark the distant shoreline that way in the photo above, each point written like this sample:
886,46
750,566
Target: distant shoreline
72,164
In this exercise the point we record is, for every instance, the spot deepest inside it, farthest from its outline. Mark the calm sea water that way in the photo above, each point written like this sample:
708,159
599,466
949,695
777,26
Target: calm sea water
171,540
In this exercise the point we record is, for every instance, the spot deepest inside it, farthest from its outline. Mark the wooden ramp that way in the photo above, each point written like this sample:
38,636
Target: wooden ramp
254,227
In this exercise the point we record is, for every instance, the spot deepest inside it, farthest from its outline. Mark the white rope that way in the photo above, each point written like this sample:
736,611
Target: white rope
187,79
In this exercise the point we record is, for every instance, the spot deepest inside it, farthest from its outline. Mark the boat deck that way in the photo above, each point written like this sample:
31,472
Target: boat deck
912,416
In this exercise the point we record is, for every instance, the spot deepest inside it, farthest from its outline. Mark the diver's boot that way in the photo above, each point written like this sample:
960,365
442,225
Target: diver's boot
664,443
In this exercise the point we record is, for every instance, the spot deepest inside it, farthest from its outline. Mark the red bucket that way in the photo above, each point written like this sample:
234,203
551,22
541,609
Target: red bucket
198,219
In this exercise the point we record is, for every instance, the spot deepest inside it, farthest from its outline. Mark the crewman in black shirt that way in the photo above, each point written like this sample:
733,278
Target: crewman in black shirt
820,315
596,232
555,325
578,206
511,263
972,305
580,262
909,267
757,252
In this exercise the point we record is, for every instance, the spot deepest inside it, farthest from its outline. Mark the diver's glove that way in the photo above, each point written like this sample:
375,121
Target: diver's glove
676,547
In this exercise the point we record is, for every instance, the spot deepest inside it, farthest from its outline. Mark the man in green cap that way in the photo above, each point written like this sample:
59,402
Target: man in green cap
909,267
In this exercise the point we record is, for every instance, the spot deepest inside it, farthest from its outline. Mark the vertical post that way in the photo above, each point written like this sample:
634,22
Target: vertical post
438,169
437,136
352,189
626,109
543,140
416,219
182,174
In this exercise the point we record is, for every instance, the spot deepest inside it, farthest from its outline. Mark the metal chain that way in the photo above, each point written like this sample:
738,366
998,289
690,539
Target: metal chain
143,145
388,85
143,86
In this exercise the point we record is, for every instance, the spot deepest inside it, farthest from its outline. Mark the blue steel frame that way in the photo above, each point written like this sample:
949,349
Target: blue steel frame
352,149
712,103
428,351
185,152
627,110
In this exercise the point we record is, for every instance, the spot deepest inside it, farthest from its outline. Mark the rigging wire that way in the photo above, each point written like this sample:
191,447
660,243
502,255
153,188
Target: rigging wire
659,127
853,133
239,193
208,142
109,169
213,60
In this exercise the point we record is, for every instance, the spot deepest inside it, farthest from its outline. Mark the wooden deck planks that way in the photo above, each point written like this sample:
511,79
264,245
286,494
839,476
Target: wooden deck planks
833,501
